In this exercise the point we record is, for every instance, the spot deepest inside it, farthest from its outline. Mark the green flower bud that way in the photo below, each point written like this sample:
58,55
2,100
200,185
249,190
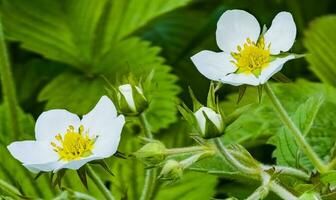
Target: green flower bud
210,123
131,99
172,171
152,153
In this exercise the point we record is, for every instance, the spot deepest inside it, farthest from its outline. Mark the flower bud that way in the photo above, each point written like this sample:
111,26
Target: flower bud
131,99
172,171
152,153
210,123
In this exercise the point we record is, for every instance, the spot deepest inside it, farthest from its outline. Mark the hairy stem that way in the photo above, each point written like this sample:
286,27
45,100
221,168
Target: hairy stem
8,87
227,156
286,120
276,188
184,150
150,177
99,183
288,171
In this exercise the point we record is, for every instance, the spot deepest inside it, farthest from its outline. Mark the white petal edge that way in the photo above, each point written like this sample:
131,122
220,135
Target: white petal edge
240,79
234,27
107,144
44,167
76,164
213,65
32,152
100,119
281,35
53,122
274,67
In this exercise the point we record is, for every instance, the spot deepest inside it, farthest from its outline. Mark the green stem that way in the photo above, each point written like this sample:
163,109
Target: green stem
288,171
8,86
9,190
150,177
185,150
276,188
234,162
286,120
99,183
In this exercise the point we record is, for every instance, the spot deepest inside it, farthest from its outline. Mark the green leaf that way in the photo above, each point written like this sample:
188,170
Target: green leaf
320,42
75,32
288,152
79,93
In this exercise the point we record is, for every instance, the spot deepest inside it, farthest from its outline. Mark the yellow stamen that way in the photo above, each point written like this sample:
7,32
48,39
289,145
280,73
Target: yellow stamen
252,57
74,145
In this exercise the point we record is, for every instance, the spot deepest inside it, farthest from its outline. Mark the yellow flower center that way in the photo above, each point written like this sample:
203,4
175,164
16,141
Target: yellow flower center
252,57
74,145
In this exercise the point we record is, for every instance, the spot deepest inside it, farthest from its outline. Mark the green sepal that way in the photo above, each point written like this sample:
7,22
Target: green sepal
211,130
81,172
38,175
196,104
211,99
241,92
189,116
121,155
103,164
140,101
58,180
237,113
280,77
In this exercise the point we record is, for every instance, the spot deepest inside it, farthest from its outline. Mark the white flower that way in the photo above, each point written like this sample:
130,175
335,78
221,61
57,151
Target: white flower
214,117
248,56
63,141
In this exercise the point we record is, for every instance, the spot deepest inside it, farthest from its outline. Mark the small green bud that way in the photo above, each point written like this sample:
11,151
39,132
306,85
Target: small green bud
172,171
210,123
152,153
131,99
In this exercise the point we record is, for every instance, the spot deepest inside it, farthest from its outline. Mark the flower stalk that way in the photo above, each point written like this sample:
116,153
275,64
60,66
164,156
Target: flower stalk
99,183
150,177
286,120
8,87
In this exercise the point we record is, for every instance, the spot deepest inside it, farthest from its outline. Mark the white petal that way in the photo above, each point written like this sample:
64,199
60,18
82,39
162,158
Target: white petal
282,33
53,122
273,67
45,167
33,152
100,119
213,65
126,91
76,164
240,79
106,145
234,27
211,114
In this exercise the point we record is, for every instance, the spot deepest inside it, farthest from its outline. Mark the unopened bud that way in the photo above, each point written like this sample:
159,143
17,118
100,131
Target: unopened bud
152,153
131,99
210,123
171,171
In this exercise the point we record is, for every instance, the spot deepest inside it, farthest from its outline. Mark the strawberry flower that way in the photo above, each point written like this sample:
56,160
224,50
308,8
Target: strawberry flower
249,56
64,141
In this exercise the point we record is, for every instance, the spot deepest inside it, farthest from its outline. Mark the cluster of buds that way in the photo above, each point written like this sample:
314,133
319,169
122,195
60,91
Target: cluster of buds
208,121
130,97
